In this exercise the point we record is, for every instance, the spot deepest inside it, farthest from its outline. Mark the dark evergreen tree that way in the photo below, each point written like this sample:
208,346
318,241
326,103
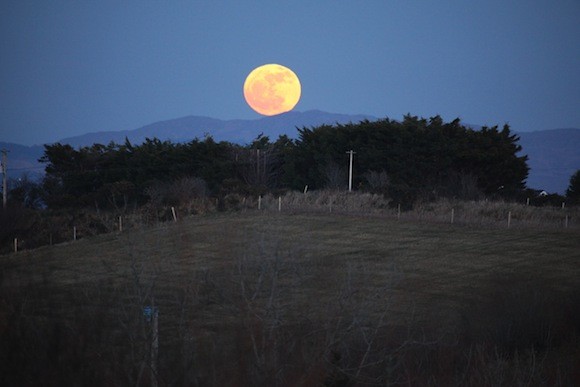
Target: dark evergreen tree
423,158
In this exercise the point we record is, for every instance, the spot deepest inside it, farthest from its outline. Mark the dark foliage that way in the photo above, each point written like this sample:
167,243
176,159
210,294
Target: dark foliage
409,160
115,175
423,159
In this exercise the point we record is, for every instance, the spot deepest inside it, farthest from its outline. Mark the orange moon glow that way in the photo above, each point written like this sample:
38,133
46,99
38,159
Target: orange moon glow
272,89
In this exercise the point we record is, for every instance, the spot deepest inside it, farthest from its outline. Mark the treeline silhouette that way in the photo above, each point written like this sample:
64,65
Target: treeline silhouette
409,160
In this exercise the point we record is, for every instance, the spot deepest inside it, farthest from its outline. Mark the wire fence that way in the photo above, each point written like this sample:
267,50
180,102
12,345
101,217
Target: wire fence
65,228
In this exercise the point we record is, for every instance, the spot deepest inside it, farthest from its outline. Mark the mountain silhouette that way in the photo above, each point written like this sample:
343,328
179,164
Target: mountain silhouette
237,131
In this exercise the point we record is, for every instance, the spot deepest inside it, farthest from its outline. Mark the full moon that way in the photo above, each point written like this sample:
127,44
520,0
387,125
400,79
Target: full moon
272,89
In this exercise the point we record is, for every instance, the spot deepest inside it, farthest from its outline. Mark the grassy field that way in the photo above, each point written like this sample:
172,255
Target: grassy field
295,299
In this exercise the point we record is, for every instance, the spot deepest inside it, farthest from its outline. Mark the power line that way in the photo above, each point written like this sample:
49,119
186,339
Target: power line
25,168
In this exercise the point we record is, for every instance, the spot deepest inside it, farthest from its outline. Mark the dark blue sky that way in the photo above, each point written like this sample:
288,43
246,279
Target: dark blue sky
71,67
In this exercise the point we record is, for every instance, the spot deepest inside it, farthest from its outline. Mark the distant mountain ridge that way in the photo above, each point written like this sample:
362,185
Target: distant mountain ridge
237,131
553,154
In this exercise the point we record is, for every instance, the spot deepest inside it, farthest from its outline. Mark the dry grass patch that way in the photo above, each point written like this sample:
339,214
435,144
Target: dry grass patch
261,298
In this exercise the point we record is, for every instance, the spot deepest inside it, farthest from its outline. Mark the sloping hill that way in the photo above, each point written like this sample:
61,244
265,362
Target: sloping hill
234,292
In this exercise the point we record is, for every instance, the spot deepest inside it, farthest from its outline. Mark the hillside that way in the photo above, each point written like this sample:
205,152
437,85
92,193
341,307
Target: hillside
251,297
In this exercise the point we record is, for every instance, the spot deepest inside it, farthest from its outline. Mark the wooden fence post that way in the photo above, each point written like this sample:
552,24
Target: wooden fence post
452,214
279,203
120,224
509,218
74,233
174,214
399,211
15,245
259,202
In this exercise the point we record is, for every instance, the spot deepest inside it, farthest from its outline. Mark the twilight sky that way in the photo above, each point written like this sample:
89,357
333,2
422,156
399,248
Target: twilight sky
72,67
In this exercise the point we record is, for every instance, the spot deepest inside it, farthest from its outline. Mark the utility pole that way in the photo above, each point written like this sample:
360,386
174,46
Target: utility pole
4,178
350,152
258,167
